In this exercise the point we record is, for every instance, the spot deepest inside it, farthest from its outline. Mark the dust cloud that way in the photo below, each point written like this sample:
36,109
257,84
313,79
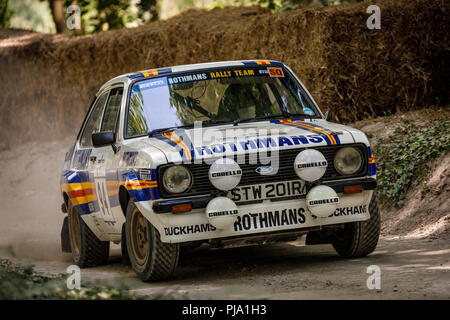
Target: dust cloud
30,215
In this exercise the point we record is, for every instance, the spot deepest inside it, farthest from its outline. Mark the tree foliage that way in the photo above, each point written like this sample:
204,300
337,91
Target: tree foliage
5,14
102,15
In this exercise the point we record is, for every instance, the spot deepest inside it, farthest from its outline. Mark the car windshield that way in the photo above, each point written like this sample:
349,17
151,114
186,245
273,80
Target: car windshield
219,95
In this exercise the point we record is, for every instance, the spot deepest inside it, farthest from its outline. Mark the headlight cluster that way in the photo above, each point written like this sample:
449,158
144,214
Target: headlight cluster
177,179
348,161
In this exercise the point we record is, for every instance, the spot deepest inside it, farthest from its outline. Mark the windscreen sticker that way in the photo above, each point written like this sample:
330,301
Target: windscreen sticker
232,73
187,78
275,72
159,82
200,76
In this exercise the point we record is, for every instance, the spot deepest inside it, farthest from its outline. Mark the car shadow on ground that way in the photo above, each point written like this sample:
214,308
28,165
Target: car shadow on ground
204,263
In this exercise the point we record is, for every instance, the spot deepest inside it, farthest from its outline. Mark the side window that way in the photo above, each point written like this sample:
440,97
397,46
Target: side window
93,123
112,110
137,121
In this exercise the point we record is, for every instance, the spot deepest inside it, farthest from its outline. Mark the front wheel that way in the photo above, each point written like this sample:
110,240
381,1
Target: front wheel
151,259
359,239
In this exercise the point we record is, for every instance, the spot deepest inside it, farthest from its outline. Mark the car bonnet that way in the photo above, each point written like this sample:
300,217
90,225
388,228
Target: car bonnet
185,145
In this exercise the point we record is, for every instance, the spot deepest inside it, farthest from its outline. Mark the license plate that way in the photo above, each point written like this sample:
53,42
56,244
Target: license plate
268,191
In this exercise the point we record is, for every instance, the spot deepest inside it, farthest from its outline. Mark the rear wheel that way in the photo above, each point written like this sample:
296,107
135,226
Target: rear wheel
151,259
87,249
359,239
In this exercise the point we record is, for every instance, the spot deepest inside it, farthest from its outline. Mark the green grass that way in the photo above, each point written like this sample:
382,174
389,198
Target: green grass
21,281
403,158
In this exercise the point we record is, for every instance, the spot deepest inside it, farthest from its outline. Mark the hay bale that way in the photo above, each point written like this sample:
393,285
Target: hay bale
48,81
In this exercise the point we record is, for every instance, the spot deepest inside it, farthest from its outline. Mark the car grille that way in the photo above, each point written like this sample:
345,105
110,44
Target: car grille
202,185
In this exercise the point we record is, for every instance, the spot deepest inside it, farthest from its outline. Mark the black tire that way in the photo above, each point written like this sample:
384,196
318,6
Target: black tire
123,247
358,239
151,259
87,249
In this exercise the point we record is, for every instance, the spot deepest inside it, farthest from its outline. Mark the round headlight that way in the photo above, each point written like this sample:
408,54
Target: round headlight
177,179
348,161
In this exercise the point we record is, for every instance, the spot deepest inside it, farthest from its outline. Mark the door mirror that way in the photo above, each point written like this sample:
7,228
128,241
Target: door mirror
100,139
328,115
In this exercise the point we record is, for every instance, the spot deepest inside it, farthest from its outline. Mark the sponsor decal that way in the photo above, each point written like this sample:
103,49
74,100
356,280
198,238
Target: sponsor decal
175,231
322,201
69,154
226,173
152,84
232,73
349,211
222,213
312,164
270,219
189,152
81,158
130,158
145,174
187,78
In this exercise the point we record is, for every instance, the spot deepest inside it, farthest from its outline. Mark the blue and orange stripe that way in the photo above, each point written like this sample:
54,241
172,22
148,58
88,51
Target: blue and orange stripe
371,162
330,139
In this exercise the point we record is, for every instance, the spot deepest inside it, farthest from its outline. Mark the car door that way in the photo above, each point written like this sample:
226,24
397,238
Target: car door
103,167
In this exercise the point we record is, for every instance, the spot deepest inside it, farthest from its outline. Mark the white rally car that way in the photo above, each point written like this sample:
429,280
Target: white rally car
213,153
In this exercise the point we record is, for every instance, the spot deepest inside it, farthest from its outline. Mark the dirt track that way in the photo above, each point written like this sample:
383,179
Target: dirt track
410,269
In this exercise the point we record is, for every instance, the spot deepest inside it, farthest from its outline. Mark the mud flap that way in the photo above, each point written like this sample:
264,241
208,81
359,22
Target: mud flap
317,237
65,240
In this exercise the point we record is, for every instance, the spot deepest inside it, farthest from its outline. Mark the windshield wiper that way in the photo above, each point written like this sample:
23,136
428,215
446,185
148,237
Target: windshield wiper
212,121
235,122
302,115
168,129
272,116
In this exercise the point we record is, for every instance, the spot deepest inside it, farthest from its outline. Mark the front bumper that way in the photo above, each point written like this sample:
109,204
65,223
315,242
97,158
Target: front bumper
263,217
